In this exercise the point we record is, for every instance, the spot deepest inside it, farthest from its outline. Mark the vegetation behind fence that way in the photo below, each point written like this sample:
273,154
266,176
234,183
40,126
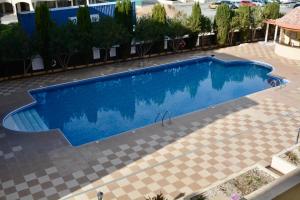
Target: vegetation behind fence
69,45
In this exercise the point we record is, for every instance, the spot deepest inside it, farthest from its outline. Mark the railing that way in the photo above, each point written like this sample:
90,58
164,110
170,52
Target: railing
278,82
157,116
167,113
163,117
297,139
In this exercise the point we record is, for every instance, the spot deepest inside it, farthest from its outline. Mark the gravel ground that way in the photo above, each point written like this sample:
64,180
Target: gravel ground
241,185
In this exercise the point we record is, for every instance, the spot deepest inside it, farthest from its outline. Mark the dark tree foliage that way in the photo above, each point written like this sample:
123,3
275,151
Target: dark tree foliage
205,24
64,43
147,32
83,19
175,31
43,25
123,16
105,38
14,44
84,26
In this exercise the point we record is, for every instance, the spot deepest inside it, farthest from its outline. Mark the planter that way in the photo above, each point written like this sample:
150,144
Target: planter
287,160
242,185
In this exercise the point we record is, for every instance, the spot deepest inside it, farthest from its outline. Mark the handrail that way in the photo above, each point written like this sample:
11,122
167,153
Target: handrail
157,116
273,83
277,82
297,139
165,114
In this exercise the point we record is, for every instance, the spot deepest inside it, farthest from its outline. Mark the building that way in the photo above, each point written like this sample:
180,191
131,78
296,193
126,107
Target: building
288,42
12,7
63,15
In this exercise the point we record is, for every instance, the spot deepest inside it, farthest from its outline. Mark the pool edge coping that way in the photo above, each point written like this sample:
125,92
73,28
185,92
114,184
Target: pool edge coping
136,71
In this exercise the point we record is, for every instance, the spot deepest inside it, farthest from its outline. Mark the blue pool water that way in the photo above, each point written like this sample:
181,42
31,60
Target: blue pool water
98,108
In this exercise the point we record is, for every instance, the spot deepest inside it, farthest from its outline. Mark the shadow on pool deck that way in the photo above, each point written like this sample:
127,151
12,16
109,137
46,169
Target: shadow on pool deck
37,152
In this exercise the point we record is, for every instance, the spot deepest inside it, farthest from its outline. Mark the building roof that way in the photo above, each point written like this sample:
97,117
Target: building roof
289,21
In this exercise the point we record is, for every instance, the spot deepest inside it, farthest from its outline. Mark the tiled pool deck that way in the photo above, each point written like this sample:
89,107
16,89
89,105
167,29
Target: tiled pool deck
185,156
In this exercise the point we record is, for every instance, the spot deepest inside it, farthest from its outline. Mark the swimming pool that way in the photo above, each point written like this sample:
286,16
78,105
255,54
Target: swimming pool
101,107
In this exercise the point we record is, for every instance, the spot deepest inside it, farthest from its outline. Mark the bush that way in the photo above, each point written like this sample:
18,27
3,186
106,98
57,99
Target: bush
147,32
64,43
105,38
14,44
175,31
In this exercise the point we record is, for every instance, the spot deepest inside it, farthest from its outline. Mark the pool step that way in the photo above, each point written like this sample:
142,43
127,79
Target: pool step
27,120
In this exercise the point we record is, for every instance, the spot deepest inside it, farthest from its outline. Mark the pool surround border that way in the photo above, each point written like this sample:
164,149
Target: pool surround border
129,72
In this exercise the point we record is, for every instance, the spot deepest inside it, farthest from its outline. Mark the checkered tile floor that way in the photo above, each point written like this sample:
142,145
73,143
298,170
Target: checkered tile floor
186,156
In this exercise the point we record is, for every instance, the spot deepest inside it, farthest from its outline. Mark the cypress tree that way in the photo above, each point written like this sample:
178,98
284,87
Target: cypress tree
84,27
43,25
83,19
194,21
123,16
222,23
244,16
159,14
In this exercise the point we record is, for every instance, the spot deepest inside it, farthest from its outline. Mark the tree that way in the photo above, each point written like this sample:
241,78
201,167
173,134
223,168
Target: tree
234,26
107,32
147,32
43,25
124,17
194,21
244,16
222,23
64,43
84,22
256,20
15,44
123,14
84,26
271,11
159,13
205,24
175,31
